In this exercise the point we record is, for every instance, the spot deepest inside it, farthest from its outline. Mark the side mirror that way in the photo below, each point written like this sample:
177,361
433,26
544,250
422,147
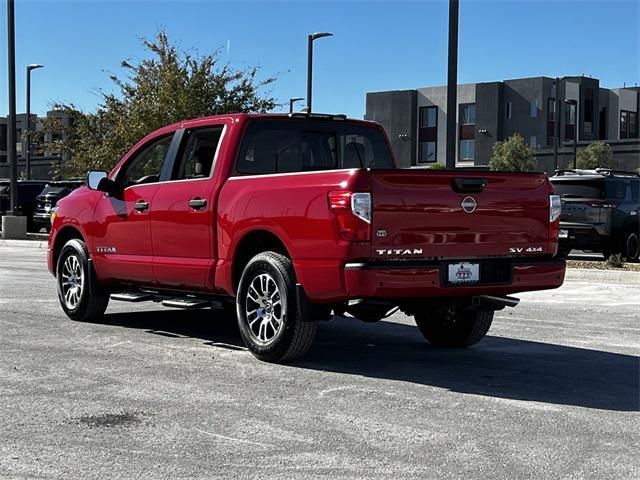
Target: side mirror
98,180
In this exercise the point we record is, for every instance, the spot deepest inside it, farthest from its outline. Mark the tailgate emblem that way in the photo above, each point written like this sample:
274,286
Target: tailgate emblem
469,204
380,233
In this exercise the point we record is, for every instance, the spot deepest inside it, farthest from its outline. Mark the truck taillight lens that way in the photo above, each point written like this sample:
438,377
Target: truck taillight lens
353,214
554,208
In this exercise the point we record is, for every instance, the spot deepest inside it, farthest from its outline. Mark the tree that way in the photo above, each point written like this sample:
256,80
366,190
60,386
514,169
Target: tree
596,155
512,154
169,86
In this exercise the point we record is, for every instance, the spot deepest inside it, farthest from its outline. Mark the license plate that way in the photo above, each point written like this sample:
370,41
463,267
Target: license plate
564,234
464,272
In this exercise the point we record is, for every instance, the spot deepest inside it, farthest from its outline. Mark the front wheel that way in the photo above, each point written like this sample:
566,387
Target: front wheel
268,316
80,295
452,327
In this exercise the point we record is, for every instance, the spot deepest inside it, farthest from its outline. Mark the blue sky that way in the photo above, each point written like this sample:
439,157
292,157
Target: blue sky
378,45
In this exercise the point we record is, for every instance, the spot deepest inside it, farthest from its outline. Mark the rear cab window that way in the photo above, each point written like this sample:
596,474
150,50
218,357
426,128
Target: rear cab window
304,146
583,188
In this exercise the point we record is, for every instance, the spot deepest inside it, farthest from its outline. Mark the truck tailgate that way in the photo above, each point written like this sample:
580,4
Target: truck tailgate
420,214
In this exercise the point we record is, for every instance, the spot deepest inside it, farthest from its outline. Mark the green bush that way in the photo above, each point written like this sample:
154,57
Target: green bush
596,155
615,261
512,155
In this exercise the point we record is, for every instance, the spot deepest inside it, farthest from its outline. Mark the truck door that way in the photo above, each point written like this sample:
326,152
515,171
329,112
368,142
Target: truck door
182,219
121,229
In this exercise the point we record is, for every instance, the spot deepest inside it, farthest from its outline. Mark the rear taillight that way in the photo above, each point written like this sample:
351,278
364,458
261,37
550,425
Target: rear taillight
554,208
353,214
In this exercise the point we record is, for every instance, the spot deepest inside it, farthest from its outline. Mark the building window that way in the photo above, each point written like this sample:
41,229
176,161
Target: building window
507,110
428,117
467,150
428,152
633,125
533,141
534,109
468,114
569,121
551,124
624,124
3,137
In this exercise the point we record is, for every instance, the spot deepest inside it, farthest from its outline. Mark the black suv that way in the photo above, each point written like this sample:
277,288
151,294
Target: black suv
48,198
600,210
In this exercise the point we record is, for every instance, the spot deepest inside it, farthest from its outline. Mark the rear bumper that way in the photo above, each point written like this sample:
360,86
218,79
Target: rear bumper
581,236
364,280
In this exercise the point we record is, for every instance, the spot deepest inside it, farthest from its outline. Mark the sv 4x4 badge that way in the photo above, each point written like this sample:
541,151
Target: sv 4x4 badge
525,250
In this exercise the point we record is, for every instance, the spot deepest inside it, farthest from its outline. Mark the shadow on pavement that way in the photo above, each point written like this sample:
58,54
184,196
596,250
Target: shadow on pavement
496,367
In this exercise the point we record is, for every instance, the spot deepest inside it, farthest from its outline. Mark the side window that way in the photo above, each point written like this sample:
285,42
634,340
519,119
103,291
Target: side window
266,148
635,190
146,166
197,154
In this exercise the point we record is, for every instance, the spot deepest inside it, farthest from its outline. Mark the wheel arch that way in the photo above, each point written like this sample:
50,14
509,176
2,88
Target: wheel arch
63,235
251,244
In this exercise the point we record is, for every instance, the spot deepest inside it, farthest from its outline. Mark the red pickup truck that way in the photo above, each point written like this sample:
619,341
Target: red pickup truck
298,218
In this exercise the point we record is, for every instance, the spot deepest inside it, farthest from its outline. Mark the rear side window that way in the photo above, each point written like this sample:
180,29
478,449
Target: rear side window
282,147
197,153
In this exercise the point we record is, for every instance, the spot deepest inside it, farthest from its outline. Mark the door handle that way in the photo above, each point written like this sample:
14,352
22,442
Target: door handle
141,206
197,203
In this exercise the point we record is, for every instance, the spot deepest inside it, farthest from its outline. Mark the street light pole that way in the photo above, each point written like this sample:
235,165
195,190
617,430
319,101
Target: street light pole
292,101
452,84
33,66
310,39
11,131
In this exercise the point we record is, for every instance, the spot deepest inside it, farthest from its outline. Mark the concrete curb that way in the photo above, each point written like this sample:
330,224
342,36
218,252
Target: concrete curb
602,276
35,243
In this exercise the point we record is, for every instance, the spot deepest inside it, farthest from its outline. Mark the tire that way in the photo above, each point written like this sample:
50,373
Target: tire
451,328
80,295
267,312
563,252
631,247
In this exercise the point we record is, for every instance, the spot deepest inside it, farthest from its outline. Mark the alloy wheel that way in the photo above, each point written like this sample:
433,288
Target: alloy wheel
72,282
264,309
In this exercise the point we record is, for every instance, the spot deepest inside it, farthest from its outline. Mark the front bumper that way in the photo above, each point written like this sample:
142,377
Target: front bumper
397,280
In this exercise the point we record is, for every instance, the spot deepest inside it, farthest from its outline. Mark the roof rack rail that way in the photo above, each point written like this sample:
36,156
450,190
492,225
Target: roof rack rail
322,116
613,172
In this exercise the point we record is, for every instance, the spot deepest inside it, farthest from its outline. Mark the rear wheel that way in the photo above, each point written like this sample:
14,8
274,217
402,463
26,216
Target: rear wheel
80,295
267,312
631,247
453,327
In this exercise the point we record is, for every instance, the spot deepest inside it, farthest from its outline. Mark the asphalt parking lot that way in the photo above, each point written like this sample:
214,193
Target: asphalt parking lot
552,392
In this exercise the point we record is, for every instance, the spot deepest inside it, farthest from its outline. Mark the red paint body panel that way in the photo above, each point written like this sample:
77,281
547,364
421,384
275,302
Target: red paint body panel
172,245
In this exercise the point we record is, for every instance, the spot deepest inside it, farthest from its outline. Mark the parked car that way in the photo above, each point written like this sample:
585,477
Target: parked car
48,198
28,191
600,210
295,218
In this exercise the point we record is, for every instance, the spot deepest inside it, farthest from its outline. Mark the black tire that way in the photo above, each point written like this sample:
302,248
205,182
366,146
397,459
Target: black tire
459,329
563,251
293,336
92,299
631,247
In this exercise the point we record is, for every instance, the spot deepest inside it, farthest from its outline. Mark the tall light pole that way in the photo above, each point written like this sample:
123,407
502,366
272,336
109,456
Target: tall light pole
292,101
575,131
452,84
11,131
311,38
30,67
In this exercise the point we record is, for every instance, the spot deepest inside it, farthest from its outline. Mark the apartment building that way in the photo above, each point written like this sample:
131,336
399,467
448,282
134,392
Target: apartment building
42,161
415,120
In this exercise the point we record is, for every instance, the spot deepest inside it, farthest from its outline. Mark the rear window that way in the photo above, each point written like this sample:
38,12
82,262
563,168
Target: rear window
610,189
282,147
580,188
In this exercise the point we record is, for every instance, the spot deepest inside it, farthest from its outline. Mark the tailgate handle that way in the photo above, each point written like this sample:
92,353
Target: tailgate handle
468,185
